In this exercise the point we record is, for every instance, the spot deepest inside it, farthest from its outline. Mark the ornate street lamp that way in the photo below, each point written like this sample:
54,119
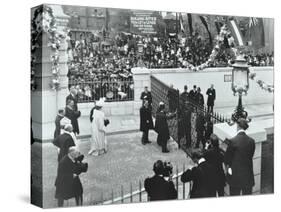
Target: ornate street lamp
240,86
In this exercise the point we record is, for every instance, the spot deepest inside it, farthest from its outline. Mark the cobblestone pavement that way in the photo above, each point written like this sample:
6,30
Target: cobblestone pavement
127,161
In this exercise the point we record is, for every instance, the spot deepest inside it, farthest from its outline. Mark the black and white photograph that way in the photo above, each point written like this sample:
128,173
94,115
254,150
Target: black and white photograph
137,105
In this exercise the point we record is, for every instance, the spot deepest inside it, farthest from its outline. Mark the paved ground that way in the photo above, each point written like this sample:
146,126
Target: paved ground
127,161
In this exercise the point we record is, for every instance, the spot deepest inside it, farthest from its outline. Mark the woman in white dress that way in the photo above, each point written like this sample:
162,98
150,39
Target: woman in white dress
98,138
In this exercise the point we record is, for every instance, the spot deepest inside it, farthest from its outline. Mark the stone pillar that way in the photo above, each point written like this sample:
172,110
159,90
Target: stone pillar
45,101
141,77
258,133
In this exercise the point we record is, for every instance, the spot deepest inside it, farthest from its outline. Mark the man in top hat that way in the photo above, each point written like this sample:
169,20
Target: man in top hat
239,161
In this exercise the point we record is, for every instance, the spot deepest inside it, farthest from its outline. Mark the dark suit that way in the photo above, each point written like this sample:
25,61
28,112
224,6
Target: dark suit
75,100
158,188
63,141
58,127
67,185
73,115
161,127
215,156
185,124
239,157
211,93
200,99
147,96
184,97
172,96
203,177
192,95
200,129
146,122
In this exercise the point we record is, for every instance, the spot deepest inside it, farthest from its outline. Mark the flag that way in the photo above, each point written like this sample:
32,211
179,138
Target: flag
255,32
235,32
181,23
204,22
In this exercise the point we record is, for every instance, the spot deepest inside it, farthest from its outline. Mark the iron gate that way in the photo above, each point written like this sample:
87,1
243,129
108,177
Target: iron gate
171,98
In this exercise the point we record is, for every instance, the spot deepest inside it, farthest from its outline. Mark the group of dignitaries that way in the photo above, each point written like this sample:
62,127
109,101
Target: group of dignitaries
190,102
70,165
212,169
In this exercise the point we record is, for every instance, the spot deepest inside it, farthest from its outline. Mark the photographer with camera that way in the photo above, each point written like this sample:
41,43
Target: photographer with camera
202,175
215,156
68,184
161,186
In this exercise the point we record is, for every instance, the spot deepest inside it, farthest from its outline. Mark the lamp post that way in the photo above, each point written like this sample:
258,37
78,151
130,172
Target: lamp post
240,86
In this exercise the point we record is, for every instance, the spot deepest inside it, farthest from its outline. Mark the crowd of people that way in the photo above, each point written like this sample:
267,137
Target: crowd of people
98,65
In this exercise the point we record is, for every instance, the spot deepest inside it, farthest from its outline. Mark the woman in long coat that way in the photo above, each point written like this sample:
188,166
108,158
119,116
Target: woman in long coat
98,138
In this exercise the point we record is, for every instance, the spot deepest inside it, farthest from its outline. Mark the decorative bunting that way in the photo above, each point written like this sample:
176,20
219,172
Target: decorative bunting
45,21
262,84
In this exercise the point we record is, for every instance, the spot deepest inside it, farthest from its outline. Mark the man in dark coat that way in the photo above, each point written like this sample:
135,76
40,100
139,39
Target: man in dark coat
184,95
146,122
64,141
200,129
193,93
161,127
203,177
73,115
172,96
73,96
215,156
67,180
199,97
146,95
239,161
157,187
57,123
185,123
211,93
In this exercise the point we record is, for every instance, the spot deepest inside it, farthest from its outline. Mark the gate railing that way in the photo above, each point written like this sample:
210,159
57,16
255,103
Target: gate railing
161,92
140,194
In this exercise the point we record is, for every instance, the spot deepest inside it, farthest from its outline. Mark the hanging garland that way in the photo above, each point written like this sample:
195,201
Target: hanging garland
262,84
215,51
45,21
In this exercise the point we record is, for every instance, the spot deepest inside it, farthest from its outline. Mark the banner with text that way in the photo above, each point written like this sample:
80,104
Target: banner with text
143,22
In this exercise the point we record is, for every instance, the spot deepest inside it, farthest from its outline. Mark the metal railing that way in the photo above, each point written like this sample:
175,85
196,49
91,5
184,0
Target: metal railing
171,97
140,194
113,90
